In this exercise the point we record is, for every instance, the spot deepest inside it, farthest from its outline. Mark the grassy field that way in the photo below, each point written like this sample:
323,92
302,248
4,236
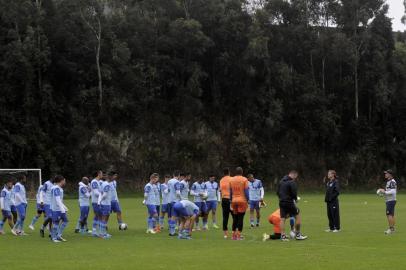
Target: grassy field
360,245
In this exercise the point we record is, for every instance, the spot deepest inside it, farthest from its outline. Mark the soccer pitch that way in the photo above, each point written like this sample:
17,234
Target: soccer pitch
360,245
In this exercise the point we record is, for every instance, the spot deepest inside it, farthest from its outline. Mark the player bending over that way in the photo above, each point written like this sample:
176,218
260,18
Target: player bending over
165,200
5,205
59,218
275,220
199,191
47,195
256,192
84,205
152,200
186,212
213,196
40,207
287,193
21,204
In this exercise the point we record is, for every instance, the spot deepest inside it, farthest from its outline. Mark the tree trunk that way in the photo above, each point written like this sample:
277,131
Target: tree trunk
323,80
99,75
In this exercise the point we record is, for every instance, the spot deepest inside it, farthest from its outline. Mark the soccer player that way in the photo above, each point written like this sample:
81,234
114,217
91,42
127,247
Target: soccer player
5,205
84,205
46,195
152,200
184,186
331,199
275,220
165,200
115,203
390,198
287,193
256,192
104,204
94,194
174,196
40,207
213,195
199,191
186,212
225,199
21,203
59,218
13,205
239,196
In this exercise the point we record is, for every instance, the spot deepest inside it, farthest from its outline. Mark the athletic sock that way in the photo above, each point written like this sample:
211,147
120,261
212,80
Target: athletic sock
257,220
1,225
34,220
161,221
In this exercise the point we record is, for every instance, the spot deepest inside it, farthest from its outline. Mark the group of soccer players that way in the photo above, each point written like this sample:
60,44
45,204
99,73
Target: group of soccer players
171,199
101,192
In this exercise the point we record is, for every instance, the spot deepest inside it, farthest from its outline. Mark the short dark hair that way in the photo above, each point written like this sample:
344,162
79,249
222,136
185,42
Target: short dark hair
21,176
112,173
167,175
96,173
58,178
176,173
226,171
239,171
182,174
153,175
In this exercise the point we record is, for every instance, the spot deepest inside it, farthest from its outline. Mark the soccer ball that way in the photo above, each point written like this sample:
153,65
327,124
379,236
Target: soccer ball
379,192
204,196
122,227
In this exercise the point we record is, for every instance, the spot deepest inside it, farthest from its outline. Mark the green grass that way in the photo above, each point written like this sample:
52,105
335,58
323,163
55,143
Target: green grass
360,245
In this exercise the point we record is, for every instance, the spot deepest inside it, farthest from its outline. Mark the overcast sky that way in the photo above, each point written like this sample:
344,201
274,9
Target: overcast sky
396,11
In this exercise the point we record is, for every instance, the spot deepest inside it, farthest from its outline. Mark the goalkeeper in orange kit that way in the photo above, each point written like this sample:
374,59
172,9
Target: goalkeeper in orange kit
275,220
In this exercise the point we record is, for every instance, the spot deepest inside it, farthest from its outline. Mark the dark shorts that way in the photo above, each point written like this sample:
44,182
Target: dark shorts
40,208
211,205
105,210
47,210
288,209
202,207
254,205
390,208
115,207
164,208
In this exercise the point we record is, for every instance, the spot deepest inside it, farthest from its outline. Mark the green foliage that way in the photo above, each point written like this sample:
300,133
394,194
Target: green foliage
199,85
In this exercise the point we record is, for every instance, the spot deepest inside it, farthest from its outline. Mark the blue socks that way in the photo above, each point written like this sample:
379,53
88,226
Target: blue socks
172,225
34,220
161,221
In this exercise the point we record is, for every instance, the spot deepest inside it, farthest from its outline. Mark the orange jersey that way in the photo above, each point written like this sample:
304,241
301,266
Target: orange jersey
225,187
275,219
238,185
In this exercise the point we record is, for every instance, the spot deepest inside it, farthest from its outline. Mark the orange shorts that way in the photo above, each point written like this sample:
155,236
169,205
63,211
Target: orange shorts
276,222
239,207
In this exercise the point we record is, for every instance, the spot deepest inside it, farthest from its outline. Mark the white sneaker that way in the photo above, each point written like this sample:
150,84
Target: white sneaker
336,231
56,241
328,230
389,231
301,237
265,237
14,232
31,227
292,234
151,231
284,238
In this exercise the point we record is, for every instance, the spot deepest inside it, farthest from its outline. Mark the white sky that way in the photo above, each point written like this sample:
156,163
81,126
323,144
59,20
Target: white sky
396,11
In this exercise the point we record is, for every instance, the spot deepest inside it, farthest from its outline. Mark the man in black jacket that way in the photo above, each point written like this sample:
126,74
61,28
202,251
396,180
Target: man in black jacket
331,199
287,193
